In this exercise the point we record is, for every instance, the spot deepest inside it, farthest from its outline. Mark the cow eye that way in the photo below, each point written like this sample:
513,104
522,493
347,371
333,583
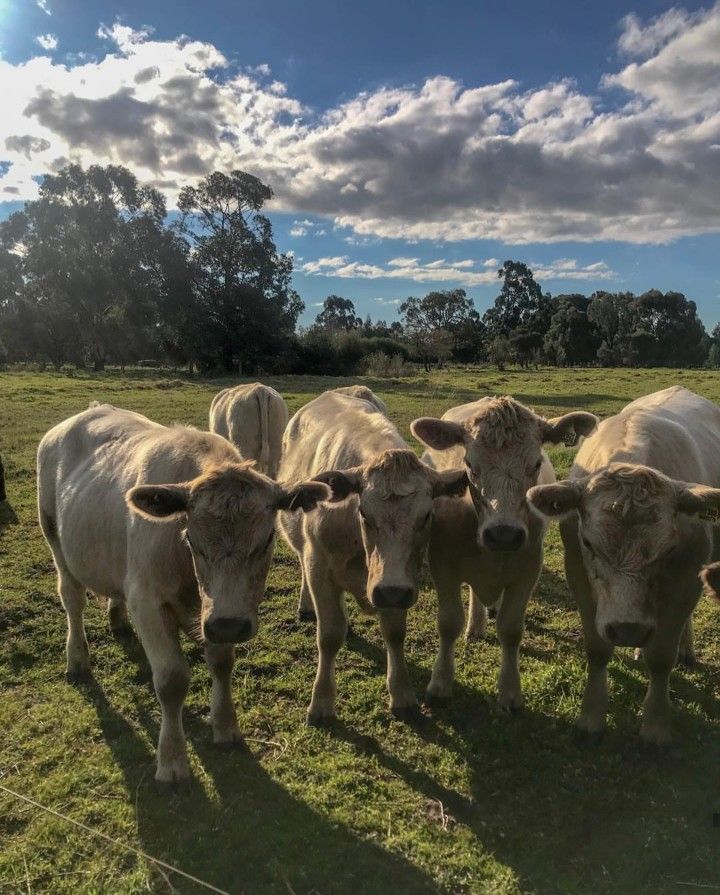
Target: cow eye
588,545
426,519
537,466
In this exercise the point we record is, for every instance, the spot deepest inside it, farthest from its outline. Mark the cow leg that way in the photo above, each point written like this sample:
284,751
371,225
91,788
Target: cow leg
510,628
158,634
393,624
74,600
306,610
686,653
331,634
220,658
118,617
660,659
593,711
477,618
450,624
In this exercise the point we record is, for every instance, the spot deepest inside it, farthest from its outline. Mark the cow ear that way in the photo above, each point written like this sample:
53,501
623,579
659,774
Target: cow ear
699,499
555,501
451,483
305,496
159,503
569,428
710,577
437,434
341,482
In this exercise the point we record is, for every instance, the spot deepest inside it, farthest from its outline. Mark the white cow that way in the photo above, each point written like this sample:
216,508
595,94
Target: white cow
635,540
106,478
490,540
253,417
371,541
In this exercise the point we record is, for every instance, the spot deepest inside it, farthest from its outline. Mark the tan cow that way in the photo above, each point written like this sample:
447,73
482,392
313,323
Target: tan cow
172,524
371,541
635,540
491,539
253,417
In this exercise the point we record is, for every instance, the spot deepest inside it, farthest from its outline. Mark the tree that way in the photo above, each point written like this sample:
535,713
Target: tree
244,302
667,331
613,315
434,323
338,314
520,305
571,337
87,248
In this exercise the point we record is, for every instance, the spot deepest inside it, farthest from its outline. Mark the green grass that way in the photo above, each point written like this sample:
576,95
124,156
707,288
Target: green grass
470,801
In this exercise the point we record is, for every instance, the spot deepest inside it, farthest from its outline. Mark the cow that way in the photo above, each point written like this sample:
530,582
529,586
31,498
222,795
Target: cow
490,540
171,524
253,417
369,540
635,541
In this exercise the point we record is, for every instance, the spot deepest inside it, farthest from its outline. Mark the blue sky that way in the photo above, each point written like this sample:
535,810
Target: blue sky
411,146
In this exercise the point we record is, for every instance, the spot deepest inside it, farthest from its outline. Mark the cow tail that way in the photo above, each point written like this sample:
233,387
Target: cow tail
263,406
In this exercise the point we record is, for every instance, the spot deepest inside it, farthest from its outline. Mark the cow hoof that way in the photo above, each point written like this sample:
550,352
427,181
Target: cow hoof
321,718
474,636
79,676
492,612
585,737
306,616
407,713
687,660
435,701
511,705
176,771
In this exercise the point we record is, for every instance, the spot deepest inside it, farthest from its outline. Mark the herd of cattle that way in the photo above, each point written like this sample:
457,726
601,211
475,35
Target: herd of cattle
176,527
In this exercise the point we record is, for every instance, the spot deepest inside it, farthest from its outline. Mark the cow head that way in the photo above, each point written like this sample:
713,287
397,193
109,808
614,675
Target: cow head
629,517
229,516
395,501
503,455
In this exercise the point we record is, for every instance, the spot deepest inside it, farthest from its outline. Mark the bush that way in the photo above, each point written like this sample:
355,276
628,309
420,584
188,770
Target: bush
386,366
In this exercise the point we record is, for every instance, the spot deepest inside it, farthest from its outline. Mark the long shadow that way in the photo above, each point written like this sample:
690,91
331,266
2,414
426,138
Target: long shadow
252,836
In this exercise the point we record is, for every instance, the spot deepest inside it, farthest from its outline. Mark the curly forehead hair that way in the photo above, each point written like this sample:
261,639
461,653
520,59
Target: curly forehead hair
224,491
397,471
630,490
503,421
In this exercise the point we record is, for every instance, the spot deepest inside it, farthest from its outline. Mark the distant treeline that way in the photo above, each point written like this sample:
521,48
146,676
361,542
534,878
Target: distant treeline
93,273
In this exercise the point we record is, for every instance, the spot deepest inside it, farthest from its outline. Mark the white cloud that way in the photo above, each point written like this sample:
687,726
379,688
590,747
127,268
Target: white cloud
45,6
438,161
298,231
47,41
641,40
442,271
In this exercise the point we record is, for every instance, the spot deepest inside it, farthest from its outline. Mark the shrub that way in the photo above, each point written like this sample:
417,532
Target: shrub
386,366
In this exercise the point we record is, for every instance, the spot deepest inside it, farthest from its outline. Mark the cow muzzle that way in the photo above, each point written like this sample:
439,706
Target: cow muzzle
228,629
504,537
392,597
628,633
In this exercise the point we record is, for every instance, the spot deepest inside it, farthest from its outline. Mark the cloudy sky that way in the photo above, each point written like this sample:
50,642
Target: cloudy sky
412,144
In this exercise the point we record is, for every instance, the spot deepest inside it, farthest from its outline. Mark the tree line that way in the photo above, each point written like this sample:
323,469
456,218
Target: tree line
93,272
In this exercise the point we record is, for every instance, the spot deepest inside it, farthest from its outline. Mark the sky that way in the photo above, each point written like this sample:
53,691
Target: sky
411,146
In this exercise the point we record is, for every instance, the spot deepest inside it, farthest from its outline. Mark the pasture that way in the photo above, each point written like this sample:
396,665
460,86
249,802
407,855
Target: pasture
468,801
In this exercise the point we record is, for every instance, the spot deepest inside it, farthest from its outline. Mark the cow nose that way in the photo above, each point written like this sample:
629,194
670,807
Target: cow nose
228,630
392,597
628,633
503,537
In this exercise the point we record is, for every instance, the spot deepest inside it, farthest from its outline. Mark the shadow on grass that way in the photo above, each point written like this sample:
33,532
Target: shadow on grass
253,836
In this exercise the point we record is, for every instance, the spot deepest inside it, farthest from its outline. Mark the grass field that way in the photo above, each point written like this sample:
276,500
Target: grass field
469,801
